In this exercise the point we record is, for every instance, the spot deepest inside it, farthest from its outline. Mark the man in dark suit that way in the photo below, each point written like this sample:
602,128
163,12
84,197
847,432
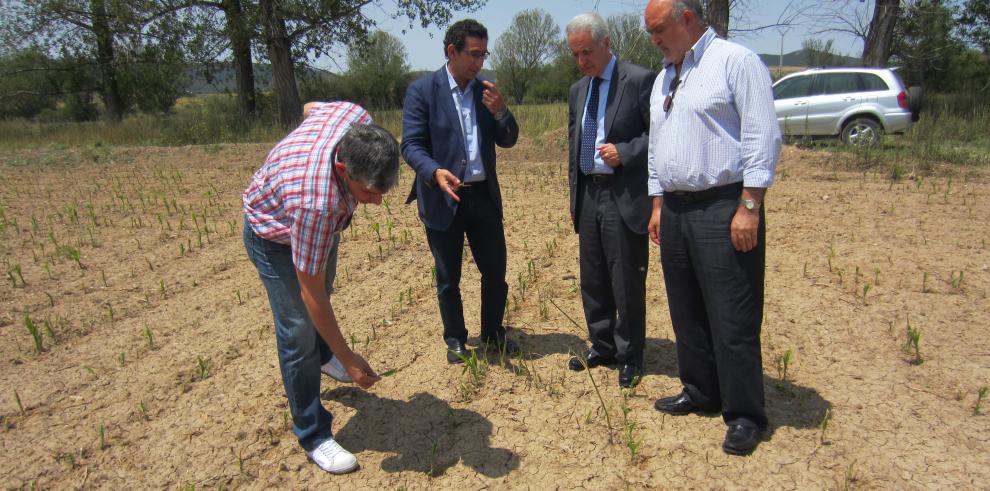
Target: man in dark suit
608,130
451,122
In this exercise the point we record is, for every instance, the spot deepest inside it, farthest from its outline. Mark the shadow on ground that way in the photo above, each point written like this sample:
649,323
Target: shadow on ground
425,434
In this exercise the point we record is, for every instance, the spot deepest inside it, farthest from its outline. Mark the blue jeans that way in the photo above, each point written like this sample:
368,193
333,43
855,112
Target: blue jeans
301,350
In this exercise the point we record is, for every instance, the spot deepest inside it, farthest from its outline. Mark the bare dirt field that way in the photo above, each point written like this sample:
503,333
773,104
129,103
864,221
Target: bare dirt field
155,364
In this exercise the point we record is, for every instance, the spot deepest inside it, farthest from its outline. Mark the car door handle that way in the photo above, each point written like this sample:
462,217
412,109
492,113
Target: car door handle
800,103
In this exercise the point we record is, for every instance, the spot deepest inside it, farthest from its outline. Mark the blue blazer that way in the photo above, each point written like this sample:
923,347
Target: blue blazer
431,139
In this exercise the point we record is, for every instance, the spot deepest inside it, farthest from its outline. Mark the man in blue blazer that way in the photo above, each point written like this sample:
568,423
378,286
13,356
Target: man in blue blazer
451,122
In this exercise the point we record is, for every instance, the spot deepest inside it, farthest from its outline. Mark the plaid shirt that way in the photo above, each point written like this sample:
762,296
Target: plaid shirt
296,198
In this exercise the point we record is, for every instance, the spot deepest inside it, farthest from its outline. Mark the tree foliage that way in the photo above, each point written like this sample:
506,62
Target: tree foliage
630,42
523,50
819,53
378,71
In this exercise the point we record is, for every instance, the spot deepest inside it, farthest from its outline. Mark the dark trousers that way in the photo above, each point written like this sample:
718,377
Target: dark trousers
479,220
715,296
614,261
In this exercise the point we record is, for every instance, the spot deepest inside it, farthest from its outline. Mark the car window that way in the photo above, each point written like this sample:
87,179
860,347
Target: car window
792,87
835,83
872,82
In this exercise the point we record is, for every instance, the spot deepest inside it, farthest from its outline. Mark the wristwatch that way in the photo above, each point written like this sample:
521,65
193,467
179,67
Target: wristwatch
749,204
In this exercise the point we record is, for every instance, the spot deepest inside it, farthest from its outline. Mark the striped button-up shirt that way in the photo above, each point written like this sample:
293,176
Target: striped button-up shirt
296,198
721,127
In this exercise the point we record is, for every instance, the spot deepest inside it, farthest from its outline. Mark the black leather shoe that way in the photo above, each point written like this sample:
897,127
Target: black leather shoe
591,359
629,375
677,405
456,351
741,440
503,345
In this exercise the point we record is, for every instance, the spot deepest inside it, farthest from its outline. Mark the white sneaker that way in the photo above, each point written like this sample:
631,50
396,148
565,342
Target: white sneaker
331,457
336,371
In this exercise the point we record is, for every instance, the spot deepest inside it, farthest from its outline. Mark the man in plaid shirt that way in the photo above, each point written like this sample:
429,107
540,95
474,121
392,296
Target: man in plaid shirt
294,210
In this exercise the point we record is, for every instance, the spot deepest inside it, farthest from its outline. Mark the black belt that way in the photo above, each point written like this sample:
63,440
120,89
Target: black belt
599,179
727,191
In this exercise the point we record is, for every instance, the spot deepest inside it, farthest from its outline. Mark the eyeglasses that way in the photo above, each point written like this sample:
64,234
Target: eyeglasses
478,55
668,102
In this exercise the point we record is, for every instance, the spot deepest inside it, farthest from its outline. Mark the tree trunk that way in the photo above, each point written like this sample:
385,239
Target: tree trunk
718,16
880,37
109,88
280,55
239,34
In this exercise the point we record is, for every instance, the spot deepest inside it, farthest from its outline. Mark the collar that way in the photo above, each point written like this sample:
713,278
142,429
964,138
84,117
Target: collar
699,48
609,70
453,83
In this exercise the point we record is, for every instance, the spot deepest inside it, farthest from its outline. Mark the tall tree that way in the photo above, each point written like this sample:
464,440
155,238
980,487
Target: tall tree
523,50
926,45
214,39
718,16
103,31
974,20
880,38
299,29
378,70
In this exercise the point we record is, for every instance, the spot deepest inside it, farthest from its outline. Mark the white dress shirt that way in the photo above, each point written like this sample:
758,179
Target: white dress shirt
464,103
721,127
600,166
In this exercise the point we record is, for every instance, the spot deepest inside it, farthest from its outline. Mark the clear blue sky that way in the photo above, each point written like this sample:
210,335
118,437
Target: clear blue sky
426,52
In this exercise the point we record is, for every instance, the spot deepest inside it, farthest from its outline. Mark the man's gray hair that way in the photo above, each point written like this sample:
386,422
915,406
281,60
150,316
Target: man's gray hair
693,5
371,156
590,22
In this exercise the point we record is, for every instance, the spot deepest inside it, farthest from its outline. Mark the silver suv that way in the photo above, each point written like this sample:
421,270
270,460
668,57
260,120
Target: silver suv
858,104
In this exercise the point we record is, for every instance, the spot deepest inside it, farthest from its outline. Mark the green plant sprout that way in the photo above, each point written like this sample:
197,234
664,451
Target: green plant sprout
202,368
956,281
824,426
977,408
628,427
32,328
924,282
913,344
783,362
149,338
17,397
866,291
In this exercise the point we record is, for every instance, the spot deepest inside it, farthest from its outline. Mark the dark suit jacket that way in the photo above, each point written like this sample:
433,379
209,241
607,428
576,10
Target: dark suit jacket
627,126
431,139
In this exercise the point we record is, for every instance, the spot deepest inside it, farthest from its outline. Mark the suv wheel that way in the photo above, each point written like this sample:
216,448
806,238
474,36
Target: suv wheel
861,132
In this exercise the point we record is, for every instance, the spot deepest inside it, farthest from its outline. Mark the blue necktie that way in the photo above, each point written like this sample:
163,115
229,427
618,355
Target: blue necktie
589,132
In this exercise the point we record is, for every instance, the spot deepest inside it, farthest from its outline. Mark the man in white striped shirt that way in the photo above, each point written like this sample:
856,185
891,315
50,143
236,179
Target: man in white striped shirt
714,145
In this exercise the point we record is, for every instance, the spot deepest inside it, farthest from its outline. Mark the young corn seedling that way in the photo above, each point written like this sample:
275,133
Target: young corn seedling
824,426
32,328
783,362
121,359
924,282
202,368
956,281
149,338
628,427
977,408
101,433
913,344
17,397
866,291
239,300
143,409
